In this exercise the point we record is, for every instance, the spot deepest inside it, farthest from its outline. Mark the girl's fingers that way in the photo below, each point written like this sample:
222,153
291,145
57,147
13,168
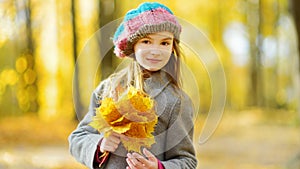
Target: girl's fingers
117,137
109,144
138,161
149,155
126,138
134,160
140,158
130,164
109,149
106,147
114,140
114,137
115,134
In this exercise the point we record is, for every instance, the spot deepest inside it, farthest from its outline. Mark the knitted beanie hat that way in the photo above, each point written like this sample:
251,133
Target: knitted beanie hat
146,19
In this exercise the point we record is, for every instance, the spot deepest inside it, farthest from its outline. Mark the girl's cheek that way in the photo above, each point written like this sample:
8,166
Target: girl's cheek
141,52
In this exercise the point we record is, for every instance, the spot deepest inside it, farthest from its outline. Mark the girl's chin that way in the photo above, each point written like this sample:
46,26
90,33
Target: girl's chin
149,68
152,69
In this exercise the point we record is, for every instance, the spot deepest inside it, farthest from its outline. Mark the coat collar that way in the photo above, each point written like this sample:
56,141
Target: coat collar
156,83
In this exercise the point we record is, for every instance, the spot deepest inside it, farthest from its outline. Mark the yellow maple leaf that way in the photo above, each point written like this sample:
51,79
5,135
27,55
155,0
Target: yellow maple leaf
99,123
121,129
132,114
139,100
135,144
108,110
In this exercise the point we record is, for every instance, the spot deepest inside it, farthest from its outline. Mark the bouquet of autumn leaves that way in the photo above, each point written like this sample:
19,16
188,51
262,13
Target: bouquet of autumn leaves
132,115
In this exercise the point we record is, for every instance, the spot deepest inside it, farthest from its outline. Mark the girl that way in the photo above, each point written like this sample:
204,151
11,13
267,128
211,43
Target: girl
149,35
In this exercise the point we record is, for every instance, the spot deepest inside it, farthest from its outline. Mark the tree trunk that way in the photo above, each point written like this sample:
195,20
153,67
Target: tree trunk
294,8
30,50
30,45
253,20
79,108
74,29
294,5
107,10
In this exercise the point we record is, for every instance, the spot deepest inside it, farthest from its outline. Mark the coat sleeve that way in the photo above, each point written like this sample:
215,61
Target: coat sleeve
180,152
84,139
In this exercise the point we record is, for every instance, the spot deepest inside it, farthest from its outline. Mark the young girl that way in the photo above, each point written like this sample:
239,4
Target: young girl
149,35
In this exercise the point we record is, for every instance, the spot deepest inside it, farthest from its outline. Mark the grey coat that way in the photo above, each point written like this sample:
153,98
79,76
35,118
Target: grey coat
173,132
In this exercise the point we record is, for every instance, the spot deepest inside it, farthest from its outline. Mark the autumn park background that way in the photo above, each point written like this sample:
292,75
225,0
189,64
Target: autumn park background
257,43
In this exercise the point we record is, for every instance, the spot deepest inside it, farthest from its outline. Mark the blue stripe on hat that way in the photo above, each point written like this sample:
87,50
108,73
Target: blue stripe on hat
119,31
147,6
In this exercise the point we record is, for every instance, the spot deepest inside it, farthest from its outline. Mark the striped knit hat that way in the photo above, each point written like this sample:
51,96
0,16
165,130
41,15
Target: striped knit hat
146,19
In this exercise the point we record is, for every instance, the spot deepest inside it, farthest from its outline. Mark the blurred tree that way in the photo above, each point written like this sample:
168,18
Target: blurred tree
30,82
86,49
294,163
73,12
268,36
8,76
76,94
254,23
107,14
17,73
295,4
294,8
28,35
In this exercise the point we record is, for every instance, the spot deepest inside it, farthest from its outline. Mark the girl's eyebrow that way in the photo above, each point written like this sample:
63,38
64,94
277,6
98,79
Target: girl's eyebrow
167,38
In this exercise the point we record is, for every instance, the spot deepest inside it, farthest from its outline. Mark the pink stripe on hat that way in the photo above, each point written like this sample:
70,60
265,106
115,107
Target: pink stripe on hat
154,17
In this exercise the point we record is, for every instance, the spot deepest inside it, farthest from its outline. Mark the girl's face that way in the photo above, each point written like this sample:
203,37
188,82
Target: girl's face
154,51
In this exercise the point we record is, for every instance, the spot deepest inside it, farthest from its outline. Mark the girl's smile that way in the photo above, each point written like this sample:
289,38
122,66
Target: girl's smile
154,61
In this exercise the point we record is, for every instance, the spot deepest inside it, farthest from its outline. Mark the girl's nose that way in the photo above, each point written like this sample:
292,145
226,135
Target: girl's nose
155,52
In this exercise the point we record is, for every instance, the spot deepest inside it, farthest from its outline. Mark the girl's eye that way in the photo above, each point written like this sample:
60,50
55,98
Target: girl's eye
145,41
165,43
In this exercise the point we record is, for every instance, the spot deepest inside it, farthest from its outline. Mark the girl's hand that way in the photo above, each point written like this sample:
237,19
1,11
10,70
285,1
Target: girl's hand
137,161
110,143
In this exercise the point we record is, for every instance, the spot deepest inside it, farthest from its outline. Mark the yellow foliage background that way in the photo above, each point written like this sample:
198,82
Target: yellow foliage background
256,41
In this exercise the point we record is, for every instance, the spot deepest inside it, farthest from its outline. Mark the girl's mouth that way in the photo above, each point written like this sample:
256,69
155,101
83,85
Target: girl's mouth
152,60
